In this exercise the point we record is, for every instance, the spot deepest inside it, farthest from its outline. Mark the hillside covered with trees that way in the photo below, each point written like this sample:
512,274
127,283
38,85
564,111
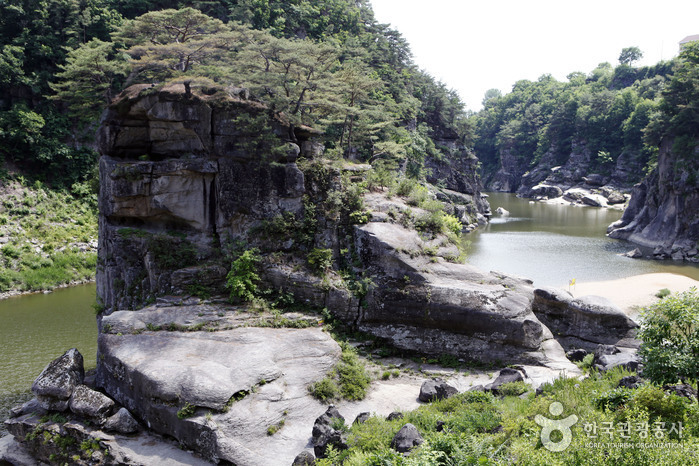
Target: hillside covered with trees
609,122
327,66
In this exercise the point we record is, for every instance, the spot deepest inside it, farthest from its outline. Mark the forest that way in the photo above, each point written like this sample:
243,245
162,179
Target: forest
609,112
328,64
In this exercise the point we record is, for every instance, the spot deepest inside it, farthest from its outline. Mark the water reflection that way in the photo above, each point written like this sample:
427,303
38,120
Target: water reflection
552,244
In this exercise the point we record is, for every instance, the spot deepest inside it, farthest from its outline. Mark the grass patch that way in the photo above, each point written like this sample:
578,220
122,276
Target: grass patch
478,428
348,379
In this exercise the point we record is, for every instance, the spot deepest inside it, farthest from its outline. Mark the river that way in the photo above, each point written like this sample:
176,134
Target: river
35,330
552,244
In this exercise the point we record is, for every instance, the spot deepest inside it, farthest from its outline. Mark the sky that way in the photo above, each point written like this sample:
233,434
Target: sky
472,46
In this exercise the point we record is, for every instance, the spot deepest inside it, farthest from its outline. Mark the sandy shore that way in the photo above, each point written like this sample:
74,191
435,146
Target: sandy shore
633,293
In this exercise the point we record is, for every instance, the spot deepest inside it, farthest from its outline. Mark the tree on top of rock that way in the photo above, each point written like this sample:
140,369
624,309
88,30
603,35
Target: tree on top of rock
164,44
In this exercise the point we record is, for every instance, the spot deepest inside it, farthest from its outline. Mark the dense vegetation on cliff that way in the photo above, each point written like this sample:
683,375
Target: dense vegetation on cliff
325,64
608,114
328,64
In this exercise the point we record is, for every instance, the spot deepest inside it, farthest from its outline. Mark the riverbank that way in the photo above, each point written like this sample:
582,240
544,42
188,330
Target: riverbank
48,238
633,293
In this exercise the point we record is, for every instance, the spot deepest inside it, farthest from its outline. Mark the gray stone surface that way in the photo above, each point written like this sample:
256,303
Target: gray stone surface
662,210
433,390
121,422
14,453
407,438
584,322
90,403
56,383
305,458
506,375
325,435
156,374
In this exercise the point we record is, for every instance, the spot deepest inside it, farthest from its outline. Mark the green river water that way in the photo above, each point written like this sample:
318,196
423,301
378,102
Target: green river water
38,328
548,243
552,244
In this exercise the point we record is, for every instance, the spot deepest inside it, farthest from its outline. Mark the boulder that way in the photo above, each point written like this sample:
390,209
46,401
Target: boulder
407,438
446,307
631,382
394,415
506,375
594,200
546,190
684,390
615,197
362,418
501,211
122,422
609,356
634,254
583,322
305,458
325,435
246,378
56,383
90,403
576,355
433,390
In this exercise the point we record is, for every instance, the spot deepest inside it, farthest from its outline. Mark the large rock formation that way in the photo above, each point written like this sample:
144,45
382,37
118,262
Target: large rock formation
664,209
184,178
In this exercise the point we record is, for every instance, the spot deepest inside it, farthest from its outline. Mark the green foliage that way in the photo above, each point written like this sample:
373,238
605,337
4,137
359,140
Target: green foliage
670,338
606,111
186,411
353,378
242,278
171,252
513,388
477,428
663,293
320,260
325,389
629,55
348,380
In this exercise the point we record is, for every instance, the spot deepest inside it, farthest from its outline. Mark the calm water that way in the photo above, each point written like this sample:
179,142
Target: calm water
38,328
552,244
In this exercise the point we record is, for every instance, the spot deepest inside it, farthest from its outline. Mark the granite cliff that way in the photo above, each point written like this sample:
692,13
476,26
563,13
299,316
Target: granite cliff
663,213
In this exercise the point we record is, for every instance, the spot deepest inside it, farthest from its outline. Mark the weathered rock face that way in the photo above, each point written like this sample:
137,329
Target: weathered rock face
458,172
217,390
178,176
55,385
182,178
585,322
663,211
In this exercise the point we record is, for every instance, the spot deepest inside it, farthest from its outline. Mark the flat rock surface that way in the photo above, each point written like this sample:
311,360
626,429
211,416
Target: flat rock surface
156,373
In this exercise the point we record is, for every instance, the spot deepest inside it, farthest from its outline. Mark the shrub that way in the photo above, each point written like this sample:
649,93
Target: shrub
612,399
320,260
325,389
186,411
348,379
670,338
662,293
242,278
513,388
